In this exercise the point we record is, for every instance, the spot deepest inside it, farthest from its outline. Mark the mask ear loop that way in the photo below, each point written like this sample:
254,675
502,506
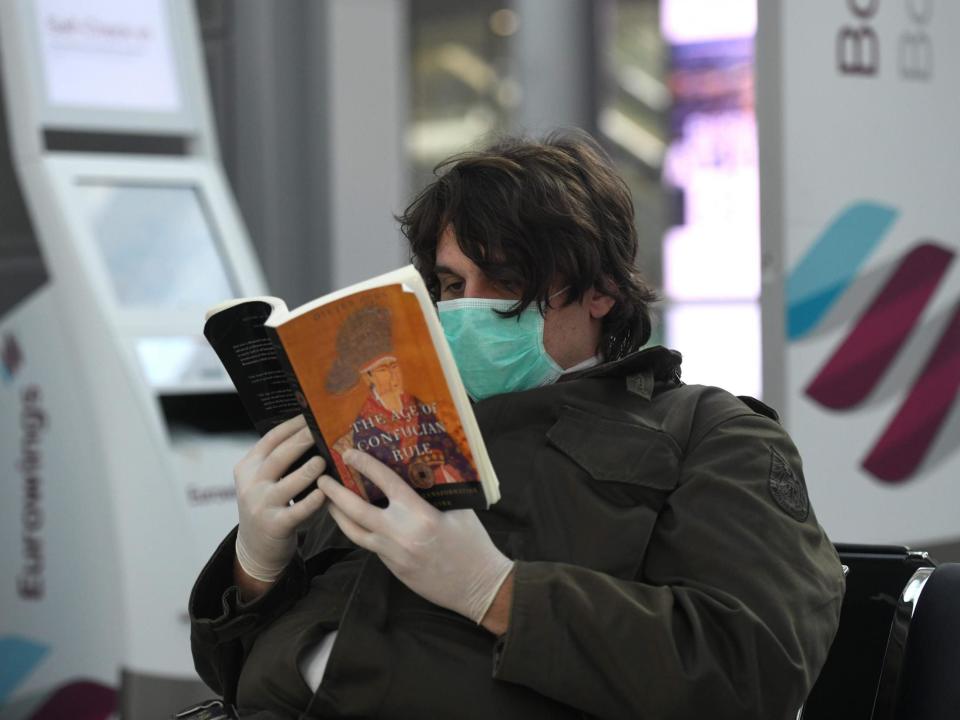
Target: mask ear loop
553,295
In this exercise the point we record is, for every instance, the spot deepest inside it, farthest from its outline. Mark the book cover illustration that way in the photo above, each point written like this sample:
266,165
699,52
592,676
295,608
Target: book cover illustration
368,369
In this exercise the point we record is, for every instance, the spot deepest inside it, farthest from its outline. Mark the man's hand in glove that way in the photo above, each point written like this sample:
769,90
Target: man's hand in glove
266,540
445,557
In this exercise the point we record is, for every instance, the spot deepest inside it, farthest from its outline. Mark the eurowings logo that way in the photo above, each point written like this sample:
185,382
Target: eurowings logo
75,699
879,335
11,357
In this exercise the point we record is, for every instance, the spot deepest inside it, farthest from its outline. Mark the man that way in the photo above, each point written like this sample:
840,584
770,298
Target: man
653,555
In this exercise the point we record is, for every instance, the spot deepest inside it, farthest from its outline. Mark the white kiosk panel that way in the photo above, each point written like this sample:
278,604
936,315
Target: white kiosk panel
141,436
105,54
157,244
160,241
107,66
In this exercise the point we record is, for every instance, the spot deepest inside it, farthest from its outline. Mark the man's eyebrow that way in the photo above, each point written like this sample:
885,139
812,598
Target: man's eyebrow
444,270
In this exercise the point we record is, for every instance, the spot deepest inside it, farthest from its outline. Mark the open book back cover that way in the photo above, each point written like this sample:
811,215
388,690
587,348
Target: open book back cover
368,369
238,337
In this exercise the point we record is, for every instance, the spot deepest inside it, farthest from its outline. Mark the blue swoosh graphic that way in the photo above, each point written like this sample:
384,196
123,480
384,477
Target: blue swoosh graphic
832,264
18,658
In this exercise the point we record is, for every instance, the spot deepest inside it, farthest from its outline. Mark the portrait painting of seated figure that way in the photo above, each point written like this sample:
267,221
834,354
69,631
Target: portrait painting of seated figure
401,430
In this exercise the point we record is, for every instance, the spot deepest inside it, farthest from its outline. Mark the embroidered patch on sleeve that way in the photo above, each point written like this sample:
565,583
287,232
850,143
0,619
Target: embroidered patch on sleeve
788,490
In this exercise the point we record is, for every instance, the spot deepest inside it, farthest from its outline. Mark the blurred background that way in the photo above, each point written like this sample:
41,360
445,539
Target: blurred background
667,87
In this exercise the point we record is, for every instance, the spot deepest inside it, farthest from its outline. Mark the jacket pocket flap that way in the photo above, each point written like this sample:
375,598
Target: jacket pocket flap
615,451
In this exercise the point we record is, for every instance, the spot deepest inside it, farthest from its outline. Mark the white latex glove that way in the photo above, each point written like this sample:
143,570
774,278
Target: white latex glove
445,557
267,538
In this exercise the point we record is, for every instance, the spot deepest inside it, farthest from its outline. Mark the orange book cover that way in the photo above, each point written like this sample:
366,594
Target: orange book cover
368,370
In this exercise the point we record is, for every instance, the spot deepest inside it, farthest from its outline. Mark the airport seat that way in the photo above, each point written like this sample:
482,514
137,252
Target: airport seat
897,650
919,678
847,685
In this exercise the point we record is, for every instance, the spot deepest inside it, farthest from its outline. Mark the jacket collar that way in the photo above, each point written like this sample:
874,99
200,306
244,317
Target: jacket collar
662,363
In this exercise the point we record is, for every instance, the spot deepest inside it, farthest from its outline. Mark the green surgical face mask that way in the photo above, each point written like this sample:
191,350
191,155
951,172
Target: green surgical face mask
496,354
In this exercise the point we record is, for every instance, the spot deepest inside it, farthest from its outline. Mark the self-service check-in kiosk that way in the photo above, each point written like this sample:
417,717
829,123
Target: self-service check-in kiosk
118,427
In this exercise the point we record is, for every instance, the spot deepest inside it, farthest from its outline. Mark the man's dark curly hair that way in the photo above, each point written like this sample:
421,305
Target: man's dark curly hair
535,215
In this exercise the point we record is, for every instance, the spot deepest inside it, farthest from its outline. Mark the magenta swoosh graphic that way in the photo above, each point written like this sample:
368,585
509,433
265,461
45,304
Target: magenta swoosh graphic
857,366
903,445
81,700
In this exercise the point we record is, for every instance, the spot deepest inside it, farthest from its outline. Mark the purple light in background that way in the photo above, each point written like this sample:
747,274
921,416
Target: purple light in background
715,254
696,21
712,258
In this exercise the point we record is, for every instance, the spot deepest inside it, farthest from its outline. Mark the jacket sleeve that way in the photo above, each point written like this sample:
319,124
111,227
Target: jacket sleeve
732,616
222,627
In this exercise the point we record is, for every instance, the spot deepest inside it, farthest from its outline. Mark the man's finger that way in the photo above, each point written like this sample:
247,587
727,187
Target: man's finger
356,534
350,504
278,434
286,453
303,509
303,477
393,486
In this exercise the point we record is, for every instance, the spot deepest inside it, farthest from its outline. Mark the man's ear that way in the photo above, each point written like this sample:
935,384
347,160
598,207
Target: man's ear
599,303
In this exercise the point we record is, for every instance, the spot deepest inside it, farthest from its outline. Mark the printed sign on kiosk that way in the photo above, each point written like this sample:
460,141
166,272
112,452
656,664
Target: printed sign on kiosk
105,54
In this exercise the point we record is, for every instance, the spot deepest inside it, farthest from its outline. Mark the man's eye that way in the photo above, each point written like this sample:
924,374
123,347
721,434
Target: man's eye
452,287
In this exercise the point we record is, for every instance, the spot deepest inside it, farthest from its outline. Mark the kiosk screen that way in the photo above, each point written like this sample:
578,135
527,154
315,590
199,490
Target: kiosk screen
108,54
157,245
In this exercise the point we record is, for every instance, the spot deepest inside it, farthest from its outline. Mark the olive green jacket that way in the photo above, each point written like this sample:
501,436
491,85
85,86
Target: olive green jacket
668,565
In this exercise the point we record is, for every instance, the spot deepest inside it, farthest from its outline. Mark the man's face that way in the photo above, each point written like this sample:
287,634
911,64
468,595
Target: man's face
571,333
386,378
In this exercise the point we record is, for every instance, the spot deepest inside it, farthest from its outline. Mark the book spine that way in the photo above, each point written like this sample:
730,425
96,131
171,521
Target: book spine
318,439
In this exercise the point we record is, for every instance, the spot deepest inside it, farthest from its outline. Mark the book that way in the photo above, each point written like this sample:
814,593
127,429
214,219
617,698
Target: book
370,369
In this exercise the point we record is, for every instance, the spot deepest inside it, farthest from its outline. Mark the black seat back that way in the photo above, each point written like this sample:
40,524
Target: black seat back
921,673
847,685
